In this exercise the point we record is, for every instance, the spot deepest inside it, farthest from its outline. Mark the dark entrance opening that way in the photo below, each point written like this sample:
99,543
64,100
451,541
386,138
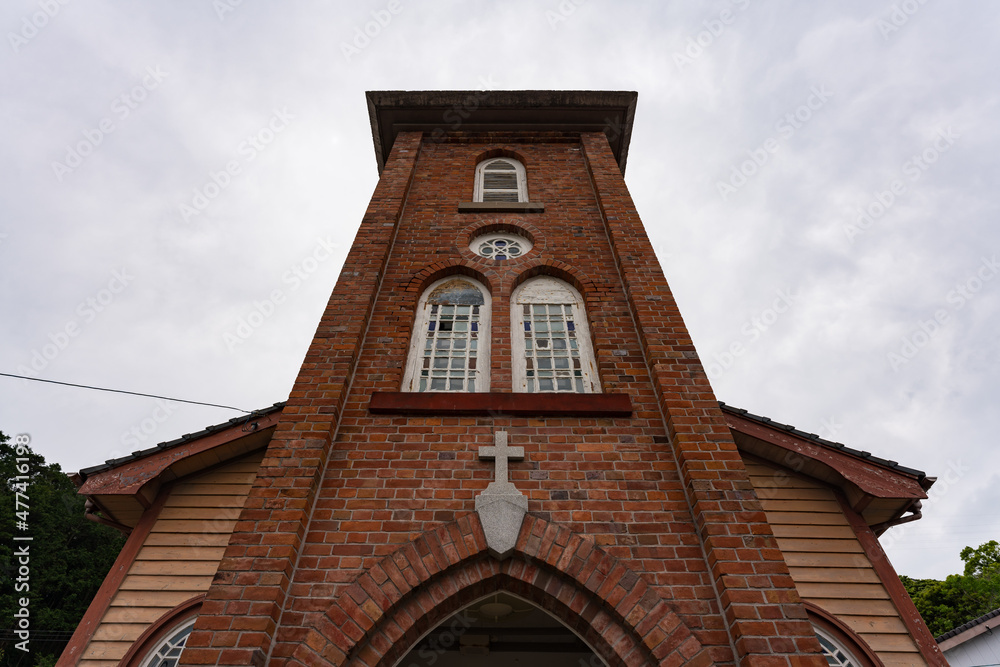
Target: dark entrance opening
500,630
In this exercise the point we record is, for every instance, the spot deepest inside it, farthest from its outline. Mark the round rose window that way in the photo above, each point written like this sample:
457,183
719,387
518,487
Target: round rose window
500,246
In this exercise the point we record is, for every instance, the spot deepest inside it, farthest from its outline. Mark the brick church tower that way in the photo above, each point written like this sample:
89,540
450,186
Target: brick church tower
501,449
502,401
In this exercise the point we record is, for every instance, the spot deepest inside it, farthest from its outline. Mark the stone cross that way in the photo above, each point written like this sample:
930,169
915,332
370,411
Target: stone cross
501,507
502,453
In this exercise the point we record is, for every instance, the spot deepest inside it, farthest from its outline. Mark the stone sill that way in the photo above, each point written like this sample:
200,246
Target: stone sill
501,207
500,405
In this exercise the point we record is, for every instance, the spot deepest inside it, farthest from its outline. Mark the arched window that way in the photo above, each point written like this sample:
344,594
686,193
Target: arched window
504,245
167,652
450,346
836,654
162,642
500,179
841,646
550,339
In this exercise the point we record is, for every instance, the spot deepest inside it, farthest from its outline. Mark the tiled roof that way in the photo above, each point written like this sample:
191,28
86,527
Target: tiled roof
208,430
836,446
967,626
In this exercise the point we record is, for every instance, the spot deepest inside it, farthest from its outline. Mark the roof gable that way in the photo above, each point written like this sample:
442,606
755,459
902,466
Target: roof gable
881,491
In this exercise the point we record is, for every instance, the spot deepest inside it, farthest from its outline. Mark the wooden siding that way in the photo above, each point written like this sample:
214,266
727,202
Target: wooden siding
177,560
981,650
828,563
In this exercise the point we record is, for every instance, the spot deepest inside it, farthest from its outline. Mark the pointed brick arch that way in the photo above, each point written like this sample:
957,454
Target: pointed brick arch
428,274
589,288
383,613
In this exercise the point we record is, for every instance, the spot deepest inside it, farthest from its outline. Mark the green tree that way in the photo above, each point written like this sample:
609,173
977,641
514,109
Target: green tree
983,561
69,555
945,605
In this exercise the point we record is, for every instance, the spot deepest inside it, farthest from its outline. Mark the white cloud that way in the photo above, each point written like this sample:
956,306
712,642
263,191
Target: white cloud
194,280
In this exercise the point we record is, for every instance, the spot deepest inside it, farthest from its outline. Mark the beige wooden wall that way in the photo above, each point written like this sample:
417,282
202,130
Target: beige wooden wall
828,564
177,560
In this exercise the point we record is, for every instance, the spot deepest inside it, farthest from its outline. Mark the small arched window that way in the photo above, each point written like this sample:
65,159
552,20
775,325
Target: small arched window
167,653
835,652
550,341
840,645
450,346
161,644
500,179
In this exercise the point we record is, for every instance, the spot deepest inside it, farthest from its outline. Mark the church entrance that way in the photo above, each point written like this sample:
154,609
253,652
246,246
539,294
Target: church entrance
501,630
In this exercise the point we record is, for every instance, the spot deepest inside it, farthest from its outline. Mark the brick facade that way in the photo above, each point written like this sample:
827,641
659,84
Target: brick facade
643,533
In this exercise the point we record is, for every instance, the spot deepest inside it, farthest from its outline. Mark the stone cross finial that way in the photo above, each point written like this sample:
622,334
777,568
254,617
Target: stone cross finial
502,453
501,507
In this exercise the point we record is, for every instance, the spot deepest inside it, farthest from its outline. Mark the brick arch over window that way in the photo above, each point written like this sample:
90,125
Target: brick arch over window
561,270
422,279
508,224
386,610
491,153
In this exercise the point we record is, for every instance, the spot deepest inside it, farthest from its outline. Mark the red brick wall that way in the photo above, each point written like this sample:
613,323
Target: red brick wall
341,488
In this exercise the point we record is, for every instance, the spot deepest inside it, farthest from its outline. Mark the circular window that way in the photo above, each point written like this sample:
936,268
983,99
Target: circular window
500,246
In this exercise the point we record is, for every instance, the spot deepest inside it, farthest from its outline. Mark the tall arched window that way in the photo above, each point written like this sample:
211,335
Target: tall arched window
500,179
450,347
550,339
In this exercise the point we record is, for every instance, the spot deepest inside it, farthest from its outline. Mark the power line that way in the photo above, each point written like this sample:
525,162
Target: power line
122,391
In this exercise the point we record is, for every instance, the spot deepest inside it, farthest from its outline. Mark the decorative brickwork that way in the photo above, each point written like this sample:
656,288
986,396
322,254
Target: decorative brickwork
498,225
381,614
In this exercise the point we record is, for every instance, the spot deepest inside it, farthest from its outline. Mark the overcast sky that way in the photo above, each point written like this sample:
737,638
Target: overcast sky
819,181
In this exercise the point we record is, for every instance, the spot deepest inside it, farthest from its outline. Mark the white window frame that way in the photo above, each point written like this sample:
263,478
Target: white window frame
478,189
414,364
549,290
523,243
170,638
852,660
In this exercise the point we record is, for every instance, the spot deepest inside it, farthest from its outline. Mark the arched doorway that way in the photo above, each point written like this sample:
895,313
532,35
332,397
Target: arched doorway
391,607
499,630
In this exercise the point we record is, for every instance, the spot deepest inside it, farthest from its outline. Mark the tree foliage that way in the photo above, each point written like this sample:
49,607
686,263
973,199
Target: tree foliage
69,555
960,598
